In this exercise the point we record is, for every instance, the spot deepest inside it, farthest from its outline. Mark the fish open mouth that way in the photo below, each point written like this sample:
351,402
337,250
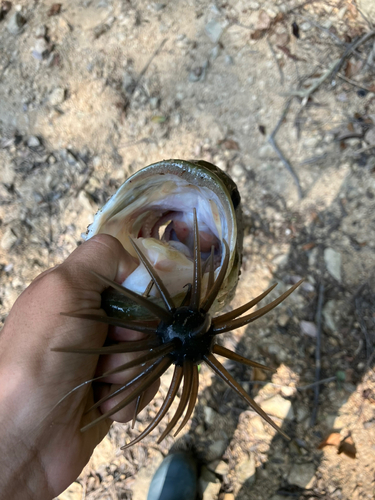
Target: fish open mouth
157,211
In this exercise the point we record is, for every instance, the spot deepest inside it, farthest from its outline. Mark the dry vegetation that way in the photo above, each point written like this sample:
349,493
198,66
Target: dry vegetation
281,95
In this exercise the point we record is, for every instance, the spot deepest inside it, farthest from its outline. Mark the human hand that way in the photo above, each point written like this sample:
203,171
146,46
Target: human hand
42,448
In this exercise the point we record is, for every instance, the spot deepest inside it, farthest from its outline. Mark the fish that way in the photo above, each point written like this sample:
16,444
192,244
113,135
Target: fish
182,221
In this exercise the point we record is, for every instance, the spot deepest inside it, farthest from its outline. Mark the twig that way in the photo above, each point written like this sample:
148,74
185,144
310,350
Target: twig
369,347
287,165
332,70
318,382
317,353
277,62
299,388
355,84
142,73
322,28
305,94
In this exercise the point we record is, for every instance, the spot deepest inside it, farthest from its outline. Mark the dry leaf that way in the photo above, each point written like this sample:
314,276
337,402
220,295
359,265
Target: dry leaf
230,144
54,10
347,447
353,68
308,246
333,439
256,35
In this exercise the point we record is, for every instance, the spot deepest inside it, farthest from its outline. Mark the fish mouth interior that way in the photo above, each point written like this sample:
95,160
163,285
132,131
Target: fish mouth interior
159,214
177,229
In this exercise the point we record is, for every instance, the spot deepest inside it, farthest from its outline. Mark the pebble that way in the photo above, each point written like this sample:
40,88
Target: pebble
214,30
154,102
329,311
41,49
278,407
16,23
229,496
281,260
211,491
332,260
302,475
308,328
313,257
217,448
245,470
283,320
306,26
210,415
57,96
41,31
370,137
33,142
254,5
265,151
8,239
219,467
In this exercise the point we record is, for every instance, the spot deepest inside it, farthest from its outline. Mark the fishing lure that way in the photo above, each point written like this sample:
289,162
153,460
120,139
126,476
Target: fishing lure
180,220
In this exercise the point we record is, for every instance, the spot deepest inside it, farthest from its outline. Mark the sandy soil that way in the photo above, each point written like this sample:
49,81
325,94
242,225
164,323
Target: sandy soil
102,88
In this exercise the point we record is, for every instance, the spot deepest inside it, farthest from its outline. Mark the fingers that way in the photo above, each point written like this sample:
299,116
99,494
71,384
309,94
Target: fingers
103,254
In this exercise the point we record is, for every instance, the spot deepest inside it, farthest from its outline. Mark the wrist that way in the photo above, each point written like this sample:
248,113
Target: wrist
23,475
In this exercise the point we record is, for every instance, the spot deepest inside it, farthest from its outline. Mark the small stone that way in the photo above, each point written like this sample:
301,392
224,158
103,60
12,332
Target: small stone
8,239
308,328
211,491
41,49
41,31
245,470
307,287
253,5
33,142
228,496
278,407
74,492
283,320
333,263
302,475
210,415
196,74
265,151
281,260
154,102
370,136
214,30
219,467
329,311
8,268
96,162
217,448
16,23
302,413
57,96
306,26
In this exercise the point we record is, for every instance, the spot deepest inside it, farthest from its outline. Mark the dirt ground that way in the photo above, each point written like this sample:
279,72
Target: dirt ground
95,90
